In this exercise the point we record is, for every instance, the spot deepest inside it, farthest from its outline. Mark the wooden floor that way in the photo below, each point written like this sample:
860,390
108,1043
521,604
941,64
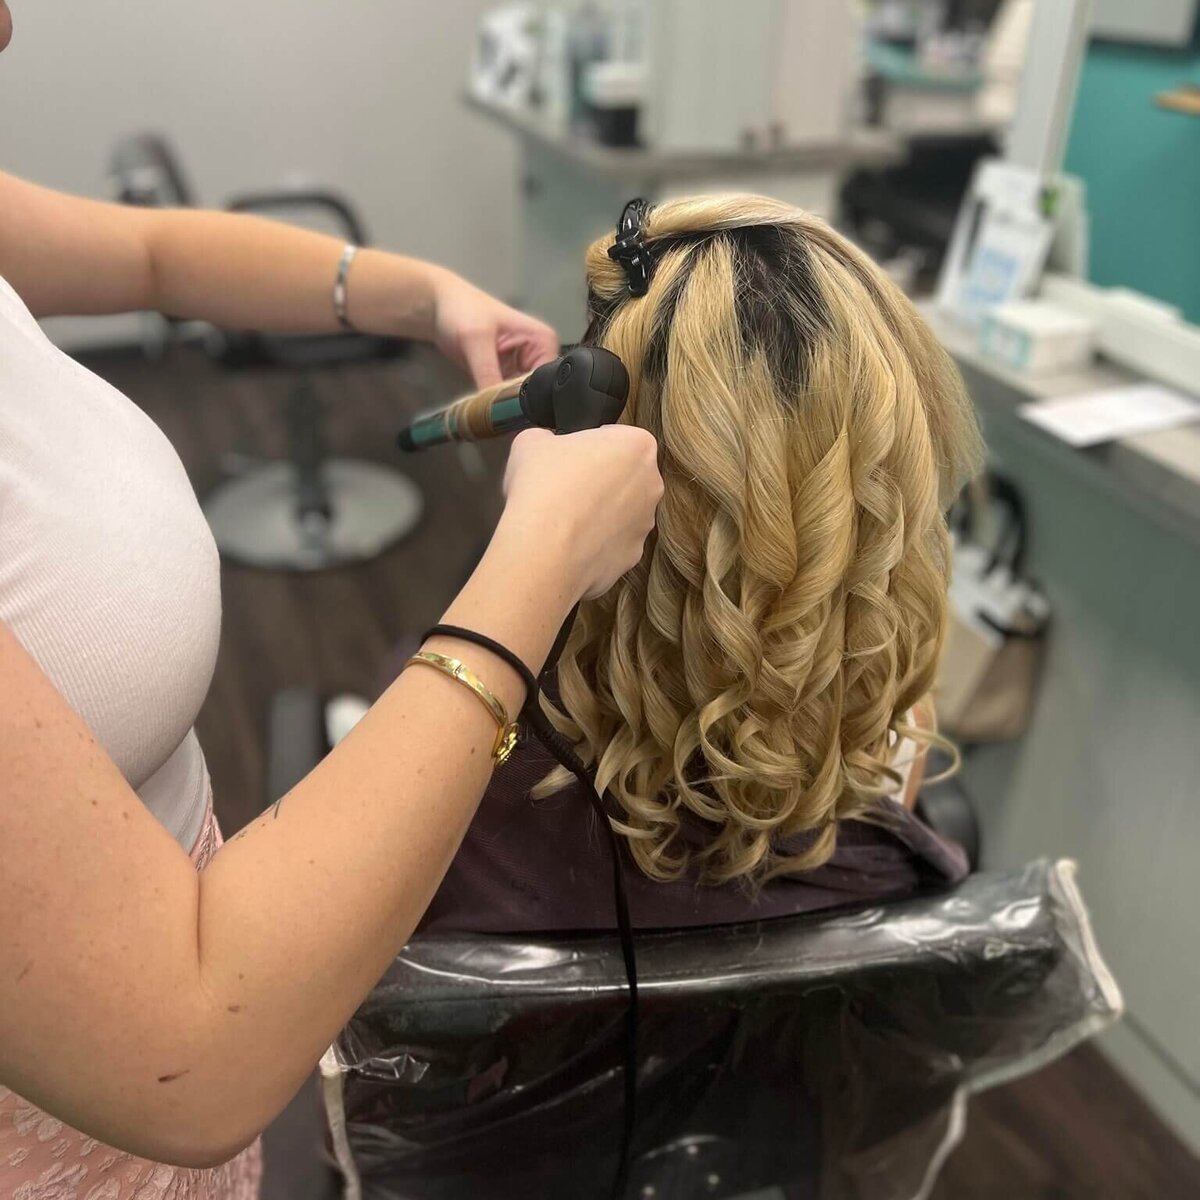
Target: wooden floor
1075,1131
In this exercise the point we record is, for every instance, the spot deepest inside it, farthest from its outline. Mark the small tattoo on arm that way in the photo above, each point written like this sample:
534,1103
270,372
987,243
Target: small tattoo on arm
171,1078
245,829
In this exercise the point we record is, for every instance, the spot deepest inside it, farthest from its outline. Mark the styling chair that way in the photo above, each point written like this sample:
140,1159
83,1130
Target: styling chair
826,1056
829,1056
310,511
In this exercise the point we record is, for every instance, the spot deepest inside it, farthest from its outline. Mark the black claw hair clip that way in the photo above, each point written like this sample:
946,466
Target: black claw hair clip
630,250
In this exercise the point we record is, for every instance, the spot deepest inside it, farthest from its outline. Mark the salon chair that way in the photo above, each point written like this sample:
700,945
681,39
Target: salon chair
829,1056
310,511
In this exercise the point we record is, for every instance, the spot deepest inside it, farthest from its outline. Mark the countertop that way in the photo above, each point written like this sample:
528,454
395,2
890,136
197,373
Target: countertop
1158,472
861,147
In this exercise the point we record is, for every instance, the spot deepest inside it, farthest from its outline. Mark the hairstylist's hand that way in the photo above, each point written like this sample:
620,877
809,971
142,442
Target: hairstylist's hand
491,340
597,489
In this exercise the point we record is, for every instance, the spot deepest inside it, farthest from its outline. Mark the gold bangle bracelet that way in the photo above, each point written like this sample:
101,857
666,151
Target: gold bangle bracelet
506,733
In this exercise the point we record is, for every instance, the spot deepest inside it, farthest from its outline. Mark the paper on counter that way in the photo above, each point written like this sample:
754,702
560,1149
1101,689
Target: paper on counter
1106,416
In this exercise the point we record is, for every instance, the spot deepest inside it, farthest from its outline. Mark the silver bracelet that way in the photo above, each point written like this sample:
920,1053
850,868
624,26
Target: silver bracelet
339,287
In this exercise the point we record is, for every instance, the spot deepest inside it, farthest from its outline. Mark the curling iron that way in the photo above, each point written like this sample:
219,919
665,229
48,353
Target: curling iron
584,388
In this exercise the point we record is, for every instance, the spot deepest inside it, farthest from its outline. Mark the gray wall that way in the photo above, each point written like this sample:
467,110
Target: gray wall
1109,770
363,94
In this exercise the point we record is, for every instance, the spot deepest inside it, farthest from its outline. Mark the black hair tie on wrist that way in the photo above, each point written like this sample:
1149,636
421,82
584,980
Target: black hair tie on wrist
564,752
500,651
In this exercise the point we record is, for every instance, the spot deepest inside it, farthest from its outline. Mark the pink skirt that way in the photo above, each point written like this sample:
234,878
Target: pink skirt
43,1159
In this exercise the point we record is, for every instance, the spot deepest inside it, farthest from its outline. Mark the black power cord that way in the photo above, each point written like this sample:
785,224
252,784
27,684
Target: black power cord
564,752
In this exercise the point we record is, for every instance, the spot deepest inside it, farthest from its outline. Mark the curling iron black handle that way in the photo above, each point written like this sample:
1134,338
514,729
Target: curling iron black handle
582,389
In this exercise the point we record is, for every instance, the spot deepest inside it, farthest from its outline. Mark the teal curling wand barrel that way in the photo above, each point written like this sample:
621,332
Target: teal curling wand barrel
585,388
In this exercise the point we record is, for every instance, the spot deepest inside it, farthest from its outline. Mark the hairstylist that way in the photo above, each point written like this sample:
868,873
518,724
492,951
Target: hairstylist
157,995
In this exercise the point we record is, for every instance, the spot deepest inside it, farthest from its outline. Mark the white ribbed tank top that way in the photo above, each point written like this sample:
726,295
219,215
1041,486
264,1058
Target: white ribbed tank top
108,573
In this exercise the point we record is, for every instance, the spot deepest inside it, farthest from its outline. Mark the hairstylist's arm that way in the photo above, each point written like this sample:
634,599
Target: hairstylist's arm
64,254
174,1013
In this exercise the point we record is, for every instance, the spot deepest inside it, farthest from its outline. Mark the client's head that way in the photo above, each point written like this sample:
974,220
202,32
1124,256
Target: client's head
790,607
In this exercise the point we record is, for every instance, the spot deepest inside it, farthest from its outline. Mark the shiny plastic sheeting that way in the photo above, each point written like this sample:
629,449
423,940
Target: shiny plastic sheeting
829,1055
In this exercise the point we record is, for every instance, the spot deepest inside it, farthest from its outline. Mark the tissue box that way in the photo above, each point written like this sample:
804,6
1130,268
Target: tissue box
1034,336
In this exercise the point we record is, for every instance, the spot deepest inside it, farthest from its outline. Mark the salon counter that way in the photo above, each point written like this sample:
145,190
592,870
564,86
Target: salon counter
861,147
1109,771
1158,473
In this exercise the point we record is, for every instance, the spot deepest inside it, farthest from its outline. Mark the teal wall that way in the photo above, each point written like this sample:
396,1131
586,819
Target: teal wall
1141,165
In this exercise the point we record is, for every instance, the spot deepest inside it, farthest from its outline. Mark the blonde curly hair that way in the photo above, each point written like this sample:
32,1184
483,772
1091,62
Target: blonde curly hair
756,669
